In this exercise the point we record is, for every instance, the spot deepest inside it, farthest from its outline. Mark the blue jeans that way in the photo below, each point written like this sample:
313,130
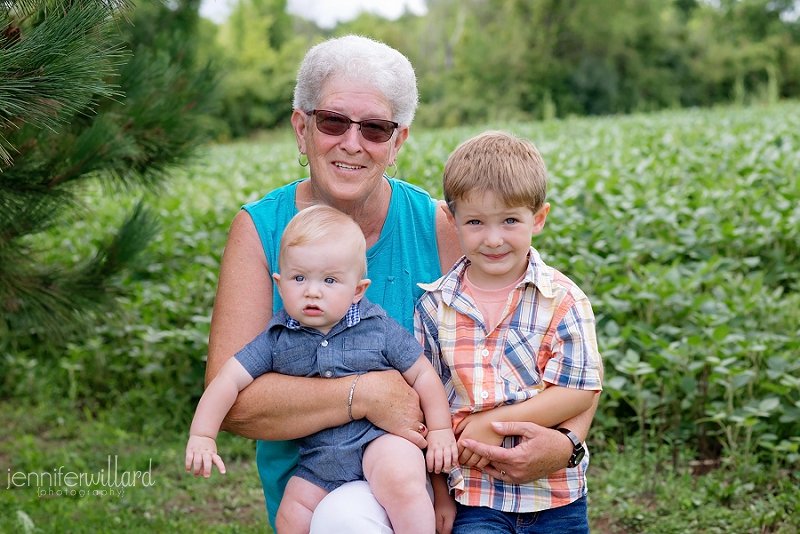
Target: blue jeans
569,519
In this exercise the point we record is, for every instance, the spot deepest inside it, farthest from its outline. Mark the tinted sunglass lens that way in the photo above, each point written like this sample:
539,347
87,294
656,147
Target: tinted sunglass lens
331,123
377,131
374,130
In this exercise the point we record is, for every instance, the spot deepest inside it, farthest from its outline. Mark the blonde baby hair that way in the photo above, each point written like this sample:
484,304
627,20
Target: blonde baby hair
324,222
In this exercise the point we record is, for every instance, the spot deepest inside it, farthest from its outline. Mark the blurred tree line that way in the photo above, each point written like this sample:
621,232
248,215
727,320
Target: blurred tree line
479,60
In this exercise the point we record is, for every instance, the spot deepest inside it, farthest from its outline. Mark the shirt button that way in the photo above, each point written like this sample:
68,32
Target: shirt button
484,394
485,352
328,374
324,343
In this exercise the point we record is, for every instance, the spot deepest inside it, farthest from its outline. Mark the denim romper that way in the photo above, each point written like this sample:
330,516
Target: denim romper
372,342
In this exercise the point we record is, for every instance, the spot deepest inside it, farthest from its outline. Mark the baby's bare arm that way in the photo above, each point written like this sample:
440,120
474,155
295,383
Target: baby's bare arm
426,382
218,399
442,448
201,450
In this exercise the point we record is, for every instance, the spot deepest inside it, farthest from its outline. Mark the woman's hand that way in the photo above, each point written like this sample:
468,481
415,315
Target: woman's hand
540,452
390,403
442,450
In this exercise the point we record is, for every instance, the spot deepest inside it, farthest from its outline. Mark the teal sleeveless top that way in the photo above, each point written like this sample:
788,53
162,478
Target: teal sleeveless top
406,253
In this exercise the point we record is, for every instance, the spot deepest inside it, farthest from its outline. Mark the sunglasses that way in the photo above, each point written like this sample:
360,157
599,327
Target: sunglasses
332,123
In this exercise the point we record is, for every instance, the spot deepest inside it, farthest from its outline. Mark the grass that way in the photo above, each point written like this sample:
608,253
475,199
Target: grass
42,438
627,493
630,493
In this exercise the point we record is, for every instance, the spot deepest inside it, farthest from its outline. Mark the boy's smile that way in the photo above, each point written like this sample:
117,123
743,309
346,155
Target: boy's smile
496,238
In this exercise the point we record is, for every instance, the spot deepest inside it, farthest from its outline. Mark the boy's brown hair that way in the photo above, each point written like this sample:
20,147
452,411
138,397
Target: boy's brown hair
497,162
324,222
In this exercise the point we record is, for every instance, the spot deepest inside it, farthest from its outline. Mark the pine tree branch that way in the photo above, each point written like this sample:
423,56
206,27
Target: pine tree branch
26,7
66,124
24,212
158,126
58,68
56,301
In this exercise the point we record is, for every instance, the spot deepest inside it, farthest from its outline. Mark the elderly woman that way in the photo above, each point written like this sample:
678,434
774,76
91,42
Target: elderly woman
354,101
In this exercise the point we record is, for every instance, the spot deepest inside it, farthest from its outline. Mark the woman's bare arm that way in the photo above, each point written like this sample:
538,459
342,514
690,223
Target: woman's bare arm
446,239
275,406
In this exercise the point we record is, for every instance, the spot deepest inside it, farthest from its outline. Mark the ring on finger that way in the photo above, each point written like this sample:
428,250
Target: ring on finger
502,474
421,428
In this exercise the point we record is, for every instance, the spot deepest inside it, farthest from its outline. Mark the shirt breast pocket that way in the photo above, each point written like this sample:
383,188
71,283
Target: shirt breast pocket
518,364
294,361
363,353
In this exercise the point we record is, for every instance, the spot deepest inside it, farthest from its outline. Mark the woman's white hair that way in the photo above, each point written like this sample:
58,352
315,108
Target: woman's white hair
363,60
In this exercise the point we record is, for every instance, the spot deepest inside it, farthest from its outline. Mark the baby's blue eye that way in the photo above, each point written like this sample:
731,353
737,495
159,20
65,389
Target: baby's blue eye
330,280
299,278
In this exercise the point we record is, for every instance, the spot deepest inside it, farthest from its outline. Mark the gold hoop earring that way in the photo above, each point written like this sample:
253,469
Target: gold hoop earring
395,170
300,160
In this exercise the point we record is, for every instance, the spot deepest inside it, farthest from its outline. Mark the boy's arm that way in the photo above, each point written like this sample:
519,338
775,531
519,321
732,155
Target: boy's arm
574,359
549,408
442,449
541,450
201,450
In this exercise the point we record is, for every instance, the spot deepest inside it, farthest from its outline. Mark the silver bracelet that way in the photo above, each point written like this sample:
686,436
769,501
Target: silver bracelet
350,399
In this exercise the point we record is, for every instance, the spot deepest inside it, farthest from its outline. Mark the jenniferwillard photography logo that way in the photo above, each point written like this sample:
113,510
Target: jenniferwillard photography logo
61,482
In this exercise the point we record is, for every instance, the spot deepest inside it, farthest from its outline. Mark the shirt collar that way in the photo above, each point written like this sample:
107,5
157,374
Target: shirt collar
351,318
450,284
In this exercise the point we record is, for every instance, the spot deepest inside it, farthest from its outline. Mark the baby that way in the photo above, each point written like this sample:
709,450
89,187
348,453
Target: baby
328,329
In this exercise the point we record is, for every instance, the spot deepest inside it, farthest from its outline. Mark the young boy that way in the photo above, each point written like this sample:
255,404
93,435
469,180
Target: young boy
328,329
513,340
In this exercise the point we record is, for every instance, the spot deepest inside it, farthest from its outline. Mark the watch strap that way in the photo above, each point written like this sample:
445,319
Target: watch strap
577,447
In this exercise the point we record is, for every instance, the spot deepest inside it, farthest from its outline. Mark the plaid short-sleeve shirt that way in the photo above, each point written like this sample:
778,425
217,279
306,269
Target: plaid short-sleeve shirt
547,334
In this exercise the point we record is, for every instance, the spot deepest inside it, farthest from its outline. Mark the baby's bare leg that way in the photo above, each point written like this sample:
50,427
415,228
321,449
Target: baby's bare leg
395,470
300,499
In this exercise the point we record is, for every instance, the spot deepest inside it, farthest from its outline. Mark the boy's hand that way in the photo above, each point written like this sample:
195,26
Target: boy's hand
201,452
478,427
442,450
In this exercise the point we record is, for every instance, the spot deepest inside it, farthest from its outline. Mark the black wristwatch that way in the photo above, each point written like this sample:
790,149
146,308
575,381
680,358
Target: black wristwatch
578,452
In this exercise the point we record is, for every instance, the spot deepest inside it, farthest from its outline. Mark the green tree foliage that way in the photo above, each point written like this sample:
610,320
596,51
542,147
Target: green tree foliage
746,50
78,110
624,55
259,53
482,60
